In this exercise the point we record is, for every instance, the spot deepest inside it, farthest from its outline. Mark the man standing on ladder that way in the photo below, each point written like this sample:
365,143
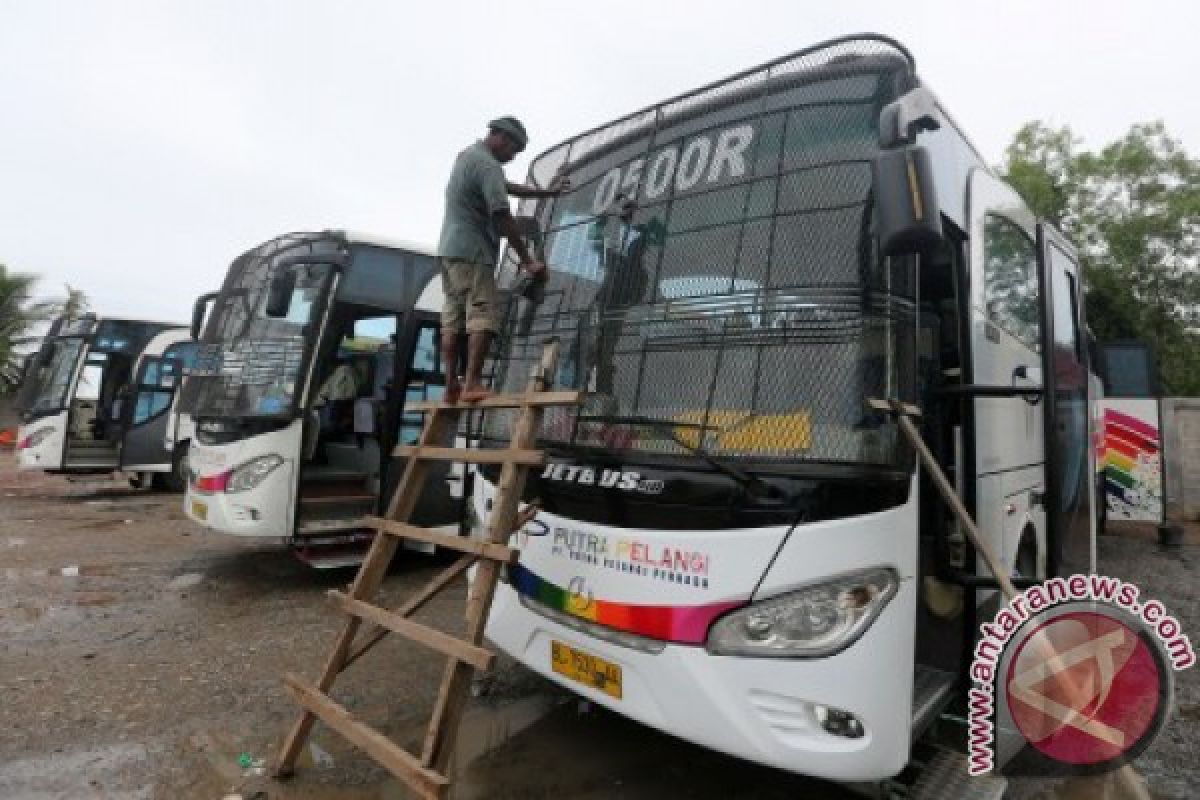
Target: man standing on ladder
477,216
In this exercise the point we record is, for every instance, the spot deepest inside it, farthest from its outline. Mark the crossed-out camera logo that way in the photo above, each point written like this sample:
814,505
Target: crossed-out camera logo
1074,676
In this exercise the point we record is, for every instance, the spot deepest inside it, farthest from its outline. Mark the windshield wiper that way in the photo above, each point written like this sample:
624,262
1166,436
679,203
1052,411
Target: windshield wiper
751,483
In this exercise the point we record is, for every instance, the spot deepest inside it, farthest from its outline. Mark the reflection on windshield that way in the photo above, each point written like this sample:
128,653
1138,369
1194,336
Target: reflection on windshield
53,382
249,364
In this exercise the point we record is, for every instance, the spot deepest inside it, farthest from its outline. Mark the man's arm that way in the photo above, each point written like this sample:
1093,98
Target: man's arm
524,190
506,226
557,186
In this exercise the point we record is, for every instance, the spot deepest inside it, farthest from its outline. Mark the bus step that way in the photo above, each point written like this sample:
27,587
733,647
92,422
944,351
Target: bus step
944,777
316,527
332,557
337,499
933,689
327,474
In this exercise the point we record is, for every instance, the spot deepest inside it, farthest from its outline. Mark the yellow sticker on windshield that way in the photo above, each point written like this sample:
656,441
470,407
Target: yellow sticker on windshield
743,431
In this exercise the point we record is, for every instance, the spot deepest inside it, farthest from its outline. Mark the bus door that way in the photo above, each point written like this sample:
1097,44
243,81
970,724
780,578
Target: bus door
419,377
146,413
1069,496
92,427
1007,450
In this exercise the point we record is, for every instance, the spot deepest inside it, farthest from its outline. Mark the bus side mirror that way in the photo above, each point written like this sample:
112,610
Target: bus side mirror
279,294
46,356
198,310
907,216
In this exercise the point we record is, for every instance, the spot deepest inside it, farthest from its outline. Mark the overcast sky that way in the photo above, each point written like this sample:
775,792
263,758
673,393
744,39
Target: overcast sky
143,145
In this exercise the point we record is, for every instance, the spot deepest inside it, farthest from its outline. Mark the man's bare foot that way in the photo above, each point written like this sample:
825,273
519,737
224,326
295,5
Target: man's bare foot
473,394
453,391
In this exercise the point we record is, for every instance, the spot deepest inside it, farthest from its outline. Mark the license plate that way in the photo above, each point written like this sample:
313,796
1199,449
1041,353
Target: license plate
199,510
590,670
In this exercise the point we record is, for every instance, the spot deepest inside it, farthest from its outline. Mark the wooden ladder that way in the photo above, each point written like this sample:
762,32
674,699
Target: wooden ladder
426,774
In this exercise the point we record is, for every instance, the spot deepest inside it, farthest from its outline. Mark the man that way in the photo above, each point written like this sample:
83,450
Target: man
477,216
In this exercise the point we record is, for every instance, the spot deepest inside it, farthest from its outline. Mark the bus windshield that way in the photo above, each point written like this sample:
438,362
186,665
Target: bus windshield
249,364
714,270
47,384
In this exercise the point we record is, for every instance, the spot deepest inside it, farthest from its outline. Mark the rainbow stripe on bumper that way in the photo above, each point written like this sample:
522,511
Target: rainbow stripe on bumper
679,624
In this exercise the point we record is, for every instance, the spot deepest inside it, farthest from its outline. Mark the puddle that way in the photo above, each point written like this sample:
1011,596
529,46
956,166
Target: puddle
110,772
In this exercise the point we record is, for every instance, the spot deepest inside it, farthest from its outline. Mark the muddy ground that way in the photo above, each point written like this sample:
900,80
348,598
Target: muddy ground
140,657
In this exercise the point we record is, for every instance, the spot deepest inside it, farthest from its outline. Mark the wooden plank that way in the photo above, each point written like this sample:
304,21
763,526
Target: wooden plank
366,584
426,782
472,455
452,697
410,607
463,544
568,398
444,643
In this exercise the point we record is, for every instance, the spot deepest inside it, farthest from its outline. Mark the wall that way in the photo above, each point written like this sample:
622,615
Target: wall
1181,445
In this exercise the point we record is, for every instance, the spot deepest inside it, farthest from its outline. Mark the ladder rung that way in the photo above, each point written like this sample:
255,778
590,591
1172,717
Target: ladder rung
464,544
473,455
396,759
444,643
504,401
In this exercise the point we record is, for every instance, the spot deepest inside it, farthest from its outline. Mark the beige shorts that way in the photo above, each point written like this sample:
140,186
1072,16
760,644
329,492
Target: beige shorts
471,297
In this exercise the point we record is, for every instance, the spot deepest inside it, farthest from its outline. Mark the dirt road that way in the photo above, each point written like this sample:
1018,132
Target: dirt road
140,657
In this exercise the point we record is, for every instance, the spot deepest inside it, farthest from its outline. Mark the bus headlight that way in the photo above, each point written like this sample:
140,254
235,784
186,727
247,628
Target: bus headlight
818,620
251,474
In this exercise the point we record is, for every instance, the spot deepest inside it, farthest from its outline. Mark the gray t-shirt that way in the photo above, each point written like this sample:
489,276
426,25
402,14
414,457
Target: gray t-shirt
475,191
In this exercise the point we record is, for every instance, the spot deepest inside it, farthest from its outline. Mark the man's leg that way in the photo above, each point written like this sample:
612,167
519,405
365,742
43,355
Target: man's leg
477,348
482,303
450,365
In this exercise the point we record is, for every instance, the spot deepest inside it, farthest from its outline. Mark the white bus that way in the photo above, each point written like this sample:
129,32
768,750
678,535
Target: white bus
731,546
309,352
99,396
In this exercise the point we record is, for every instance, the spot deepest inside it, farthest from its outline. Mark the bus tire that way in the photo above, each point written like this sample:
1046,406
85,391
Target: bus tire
176,479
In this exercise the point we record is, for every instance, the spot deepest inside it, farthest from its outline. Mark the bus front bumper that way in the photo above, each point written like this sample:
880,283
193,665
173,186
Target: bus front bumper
760,709
264,511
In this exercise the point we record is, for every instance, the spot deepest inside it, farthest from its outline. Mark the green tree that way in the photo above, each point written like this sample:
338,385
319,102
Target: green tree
20,315
1133,210
75,304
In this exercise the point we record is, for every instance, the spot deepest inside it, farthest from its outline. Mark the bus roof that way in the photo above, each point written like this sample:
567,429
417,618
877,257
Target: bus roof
361,237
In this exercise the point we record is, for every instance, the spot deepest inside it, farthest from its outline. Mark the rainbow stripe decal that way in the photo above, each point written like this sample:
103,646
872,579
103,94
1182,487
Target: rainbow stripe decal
682,624
1132,466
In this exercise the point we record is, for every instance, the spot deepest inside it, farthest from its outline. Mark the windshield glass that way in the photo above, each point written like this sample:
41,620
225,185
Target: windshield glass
250,364
714,268
47,385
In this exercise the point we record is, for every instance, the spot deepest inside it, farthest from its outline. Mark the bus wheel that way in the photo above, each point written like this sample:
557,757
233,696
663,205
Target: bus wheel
176,479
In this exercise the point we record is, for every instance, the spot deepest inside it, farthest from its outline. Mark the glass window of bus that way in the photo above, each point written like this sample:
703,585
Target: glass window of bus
182,352
56,378
150,404
91,378
1010,291
424,384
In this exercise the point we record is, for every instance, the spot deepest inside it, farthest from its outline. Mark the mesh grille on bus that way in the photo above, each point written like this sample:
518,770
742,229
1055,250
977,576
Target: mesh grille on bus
714,277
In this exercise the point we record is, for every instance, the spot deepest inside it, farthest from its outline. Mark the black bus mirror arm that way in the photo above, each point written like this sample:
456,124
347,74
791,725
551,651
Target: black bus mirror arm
199,309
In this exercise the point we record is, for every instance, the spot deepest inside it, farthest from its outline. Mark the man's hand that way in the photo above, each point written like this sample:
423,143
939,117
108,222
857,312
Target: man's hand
537,270
559,184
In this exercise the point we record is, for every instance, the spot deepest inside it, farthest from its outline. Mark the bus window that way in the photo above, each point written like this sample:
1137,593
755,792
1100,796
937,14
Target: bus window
377,331
89,381
425,353
424,383
1010,292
